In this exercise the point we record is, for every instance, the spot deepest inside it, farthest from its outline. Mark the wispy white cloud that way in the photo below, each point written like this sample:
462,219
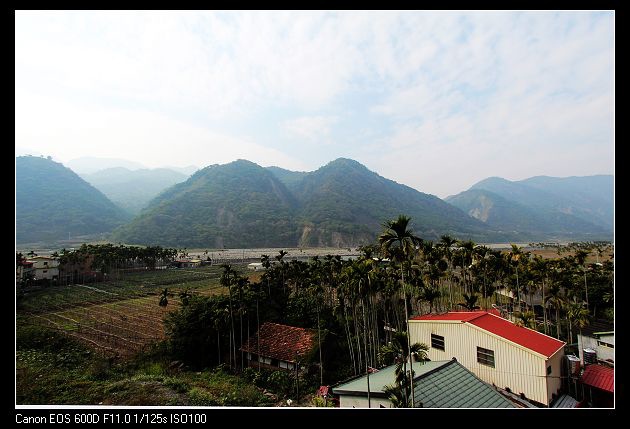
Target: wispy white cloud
474,94
314,129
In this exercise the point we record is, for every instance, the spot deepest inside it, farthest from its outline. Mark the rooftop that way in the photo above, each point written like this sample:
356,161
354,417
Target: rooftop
437,384
454,386
281,342
528,338
382,378
597,327
600,377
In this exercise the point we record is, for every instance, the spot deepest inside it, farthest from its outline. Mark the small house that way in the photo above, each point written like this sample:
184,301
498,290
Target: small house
45,267
281,347
186,263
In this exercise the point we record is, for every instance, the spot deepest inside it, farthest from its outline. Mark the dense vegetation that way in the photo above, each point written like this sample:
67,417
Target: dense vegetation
132,190
52,369
573,208
244,205
52,202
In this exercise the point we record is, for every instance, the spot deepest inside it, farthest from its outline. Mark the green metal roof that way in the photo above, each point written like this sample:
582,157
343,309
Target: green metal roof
382,378
451,385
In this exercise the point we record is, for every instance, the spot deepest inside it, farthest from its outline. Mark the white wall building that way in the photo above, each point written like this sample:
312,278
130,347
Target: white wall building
602,342
496,350
45,267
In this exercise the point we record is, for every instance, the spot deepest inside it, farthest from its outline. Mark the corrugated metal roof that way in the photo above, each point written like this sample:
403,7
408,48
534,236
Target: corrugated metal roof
454,386
565,401
437,384
600,377
461,316
525,337
383,377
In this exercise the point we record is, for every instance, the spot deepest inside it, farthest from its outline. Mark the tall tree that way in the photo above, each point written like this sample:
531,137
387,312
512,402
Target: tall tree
399,242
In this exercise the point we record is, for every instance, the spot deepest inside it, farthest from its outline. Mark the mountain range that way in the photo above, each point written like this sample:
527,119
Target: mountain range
242,204
555,208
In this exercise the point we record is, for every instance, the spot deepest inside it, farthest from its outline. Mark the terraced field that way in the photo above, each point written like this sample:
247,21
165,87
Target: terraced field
118,318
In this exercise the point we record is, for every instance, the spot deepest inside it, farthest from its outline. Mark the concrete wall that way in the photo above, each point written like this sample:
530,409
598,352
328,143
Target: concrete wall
603,352
350,401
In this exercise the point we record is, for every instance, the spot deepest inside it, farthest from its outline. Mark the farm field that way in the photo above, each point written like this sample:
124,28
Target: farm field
118,318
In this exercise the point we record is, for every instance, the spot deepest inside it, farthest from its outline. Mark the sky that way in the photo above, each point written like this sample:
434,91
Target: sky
436,100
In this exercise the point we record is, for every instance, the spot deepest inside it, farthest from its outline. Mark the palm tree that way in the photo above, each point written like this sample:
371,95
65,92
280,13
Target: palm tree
397,395
557,299
514,257
446,243
266,263
228,278
580,259
526,319
399,351
466,249
399,241
470,302
430,294
578,317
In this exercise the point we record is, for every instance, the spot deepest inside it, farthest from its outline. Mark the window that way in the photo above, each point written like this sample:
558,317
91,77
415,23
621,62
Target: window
485,356
549,370
287,365
603,344
437,342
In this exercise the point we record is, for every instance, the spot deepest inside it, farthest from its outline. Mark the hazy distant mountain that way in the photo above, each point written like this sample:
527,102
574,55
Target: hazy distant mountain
51,201
588,197
241,204
526,223
579,208
132,190
90,164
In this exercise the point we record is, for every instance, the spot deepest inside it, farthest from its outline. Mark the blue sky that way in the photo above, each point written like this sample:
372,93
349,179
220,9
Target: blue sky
434,100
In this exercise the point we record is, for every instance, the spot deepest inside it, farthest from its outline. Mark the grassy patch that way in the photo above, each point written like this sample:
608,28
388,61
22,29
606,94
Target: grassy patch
53,369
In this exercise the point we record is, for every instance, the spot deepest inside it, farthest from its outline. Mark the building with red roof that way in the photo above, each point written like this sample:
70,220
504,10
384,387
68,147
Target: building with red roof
599,385
517,359
277,346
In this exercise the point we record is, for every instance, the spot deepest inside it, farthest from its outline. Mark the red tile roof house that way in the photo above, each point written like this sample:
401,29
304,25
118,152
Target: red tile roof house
520,360
599,386
280,346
